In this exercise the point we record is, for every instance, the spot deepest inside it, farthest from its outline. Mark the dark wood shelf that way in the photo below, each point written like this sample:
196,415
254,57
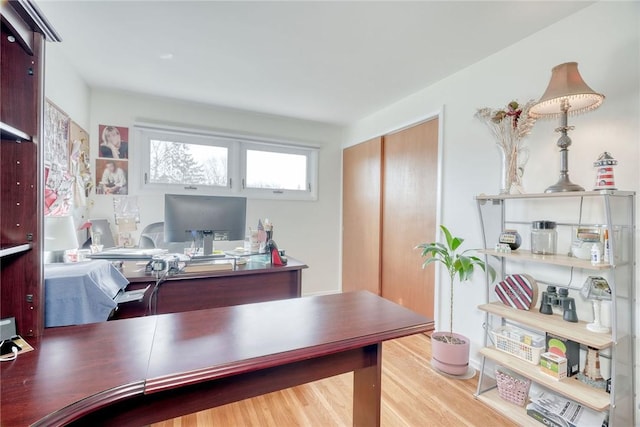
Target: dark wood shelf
14,249
9,132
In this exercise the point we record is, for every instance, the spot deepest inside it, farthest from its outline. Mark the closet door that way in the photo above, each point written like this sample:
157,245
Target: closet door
361,196
410,168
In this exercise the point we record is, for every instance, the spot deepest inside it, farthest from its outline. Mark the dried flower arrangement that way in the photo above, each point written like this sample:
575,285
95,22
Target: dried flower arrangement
510,126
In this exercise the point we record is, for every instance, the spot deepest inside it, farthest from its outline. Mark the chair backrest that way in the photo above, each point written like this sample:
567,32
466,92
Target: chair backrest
152,236
102,226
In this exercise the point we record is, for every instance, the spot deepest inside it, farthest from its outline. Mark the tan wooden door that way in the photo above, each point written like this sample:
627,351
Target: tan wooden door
361,196
409,204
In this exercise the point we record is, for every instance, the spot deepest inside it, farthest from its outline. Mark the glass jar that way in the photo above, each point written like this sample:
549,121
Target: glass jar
544,237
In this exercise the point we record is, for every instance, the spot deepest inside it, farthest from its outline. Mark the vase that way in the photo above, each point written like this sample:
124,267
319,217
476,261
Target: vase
512,168
450,357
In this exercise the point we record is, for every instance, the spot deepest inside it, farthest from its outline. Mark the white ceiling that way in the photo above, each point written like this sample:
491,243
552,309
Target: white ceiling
332,61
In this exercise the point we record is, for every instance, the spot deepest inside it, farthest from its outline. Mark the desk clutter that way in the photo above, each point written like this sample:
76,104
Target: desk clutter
11,344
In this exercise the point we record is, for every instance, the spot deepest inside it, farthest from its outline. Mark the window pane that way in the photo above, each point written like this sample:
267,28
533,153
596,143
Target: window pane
174,162
281,171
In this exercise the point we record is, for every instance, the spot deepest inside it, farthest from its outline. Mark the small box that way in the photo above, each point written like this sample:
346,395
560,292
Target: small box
566,348
553,365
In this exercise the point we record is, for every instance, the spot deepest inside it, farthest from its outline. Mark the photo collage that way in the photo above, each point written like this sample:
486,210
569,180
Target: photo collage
112,165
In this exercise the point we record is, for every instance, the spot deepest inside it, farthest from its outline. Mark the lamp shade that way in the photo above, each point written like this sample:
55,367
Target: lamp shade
596,288
566,89
59,233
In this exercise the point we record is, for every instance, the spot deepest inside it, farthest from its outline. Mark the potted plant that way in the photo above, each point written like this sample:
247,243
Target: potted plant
450,351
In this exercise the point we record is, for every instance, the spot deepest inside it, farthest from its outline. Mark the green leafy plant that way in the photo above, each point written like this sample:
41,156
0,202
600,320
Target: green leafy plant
460,264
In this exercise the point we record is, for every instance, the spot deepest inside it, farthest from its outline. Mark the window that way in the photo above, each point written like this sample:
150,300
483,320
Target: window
277,171
173,162
184,162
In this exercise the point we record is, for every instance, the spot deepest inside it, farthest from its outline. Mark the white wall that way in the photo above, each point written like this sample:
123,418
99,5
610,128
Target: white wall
66,89
604,40
308,231
64,86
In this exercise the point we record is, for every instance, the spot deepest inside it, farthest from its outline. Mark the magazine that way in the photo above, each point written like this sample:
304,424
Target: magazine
560,411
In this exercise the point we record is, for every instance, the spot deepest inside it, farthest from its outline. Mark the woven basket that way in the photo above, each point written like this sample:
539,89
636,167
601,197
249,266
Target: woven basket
511,388
516,348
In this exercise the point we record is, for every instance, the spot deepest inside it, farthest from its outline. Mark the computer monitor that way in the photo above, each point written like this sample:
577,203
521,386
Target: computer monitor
210,218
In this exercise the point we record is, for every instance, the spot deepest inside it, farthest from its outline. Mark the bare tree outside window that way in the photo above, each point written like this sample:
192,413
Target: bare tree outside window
173,162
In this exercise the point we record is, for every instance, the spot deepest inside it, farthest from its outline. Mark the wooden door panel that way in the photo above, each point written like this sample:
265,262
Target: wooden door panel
410,169
361,196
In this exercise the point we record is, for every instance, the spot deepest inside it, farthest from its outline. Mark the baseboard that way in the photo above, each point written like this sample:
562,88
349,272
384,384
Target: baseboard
315,294
475,364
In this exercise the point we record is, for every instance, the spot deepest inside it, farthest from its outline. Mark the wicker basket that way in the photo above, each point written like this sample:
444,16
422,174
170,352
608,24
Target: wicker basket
511,388
516,348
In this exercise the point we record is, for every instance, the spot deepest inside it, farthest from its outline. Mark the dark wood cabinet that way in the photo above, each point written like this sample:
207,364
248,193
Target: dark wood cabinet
20,73
21,182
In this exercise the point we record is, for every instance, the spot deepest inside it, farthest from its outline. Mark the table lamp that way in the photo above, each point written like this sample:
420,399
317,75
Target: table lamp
566,94
596,289
59,235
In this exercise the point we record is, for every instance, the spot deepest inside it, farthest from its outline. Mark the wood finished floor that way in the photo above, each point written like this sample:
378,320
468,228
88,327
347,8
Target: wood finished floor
412,395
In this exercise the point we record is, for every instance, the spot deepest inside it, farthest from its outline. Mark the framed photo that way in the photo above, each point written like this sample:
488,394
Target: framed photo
114,142
112,177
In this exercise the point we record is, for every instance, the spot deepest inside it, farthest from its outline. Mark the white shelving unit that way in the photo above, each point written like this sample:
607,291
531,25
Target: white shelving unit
615,211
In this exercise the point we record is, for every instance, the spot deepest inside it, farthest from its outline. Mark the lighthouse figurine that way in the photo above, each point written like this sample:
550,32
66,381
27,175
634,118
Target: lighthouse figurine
604,175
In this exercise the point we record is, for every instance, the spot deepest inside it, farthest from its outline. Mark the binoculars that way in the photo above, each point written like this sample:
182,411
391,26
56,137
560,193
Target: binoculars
559,298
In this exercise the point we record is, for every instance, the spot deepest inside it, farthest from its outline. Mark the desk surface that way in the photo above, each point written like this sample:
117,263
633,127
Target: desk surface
80,369
136,273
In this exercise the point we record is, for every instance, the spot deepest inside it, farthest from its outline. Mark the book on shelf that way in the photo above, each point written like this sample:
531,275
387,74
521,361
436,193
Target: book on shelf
558,411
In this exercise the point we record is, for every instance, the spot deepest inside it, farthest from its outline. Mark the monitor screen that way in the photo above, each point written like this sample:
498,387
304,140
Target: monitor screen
188,217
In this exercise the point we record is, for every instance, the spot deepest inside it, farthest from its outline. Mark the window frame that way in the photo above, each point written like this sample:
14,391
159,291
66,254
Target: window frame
237,146
310,191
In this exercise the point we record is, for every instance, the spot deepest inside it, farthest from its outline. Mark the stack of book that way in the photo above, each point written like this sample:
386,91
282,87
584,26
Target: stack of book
557,411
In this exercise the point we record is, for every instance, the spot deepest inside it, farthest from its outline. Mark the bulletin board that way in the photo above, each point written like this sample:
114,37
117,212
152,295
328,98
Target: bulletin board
58,187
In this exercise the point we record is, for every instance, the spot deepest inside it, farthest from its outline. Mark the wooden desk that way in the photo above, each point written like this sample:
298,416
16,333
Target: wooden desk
144,370
253,282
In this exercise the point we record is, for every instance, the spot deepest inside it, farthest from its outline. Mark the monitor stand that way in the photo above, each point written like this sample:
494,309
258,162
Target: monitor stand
207,243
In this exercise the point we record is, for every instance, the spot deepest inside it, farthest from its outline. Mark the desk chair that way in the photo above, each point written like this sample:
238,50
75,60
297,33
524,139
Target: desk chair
152,236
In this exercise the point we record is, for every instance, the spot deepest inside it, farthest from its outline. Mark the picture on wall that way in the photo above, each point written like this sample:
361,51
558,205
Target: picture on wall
56,136
114,142
80,163
111,176
58,184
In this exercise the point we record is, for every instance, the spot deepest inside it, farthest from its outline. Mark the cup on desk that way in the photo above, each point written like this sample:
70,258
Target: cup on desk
70,255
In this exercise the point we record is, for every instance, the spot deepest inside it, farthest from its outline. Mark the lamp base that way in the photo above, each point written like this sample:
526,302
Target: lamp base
564,184
596,327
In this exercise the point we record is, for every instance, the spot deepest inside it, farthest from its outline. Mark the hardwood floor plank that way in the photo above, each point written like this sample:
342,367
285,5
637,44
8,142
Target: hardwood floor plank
413,394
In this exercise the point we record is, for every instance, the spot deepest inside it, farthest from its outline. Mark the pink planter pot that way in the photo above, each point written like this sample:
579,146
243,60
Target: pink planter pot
450,358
